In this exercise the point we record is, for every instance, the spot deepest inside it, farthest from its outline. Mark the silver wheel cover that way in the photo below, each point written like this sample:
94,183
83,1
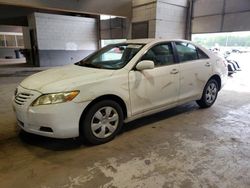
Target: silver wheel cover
211,93
104,122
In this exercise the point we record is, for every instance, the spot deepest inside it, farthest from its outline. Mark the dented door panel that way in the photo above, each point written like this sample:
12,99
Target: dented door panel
155,88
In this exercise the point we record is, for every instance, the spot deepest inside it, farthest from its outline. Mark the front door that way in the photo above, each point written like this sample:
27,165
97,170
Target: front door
158,87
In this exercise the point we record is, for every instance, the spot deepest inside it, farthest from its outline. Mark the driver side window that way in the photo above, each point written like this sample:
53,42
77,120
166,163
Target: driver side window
161,55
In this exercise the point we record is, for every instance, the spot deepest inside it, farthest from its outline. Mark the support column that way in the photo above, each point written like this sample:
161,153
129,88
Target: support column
144,19
165,18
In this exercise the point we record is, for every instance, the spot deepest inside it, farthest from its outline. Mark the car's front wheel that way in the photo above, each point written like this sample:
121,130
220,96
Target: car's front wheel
209,95
102,122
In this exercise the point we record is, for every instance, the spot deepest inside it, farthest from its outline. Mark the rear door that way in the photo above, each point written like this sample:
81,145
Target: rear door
195,70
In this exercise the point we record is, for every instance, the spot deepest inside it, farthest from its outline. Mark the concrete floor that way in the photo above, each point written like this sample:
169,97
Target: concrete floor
182,147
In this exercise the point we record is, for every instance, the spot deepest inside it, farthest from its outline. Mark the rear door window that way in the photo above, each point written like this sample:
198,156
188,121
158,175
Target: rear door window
186,51
201,54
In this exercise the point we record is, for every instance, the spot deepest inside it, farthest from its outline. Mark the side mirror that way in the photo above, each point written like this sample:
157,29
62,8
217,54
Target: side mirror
145,64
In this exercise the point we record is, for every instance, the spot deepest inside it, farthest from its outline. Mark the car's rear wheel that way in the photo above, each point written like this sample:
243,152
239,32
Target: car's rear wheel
102,122
209,95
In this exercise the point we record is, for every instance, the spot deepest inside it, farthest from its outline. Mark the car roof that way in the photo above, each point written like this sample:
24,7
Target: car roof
153,40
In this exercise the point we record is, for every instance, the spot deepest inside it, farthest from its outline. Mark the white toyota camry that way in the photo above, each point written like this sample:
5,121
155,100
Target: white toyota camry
117,84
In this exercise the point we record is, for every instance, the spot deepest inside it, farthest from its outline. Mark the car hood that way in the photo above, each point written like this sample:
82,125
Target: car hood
64,78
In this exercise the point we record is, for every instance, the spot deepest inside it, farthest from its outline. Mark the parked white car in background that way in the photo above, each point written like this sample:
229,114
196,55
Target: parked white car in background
120,82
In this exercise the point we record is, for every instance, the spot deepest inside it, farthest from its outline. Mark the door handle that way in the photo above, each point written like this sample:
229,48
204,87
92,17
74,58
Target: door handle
174,71
207,64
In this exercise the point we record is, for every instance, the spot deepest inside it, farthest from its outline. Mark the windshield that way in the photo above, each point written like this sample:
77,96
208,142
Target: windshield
113,56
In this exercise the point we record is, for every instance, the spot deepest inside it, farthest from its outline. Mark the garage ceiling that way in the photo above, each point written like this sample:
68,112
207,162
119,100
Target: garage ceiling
120,8
211,16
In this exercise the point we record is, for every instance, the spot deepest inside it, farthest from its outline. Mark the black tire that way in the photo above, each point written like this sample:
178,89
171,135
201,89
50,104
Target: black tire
87,122
206,101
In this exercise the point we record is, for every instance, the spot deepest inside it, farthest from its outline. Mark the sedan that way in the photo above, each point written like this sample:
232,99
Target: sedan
118,83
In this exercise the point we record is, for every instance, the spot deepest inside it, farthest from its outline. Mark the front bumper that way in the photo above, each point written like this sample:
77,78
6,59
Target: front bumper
56,120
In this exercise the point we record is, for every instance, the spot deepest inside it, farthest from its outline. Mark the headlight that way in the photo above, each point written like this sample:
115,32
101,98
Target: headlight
55,98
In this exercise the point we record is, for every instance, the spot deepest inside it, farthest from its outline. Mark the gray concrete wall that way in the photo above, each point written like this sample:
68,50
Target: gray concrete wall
50,58
57,32
220,16
64,39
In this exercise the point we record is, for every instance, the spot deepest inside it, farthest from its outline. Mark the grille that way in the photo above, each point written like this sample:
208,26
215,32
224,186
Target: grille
22,98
